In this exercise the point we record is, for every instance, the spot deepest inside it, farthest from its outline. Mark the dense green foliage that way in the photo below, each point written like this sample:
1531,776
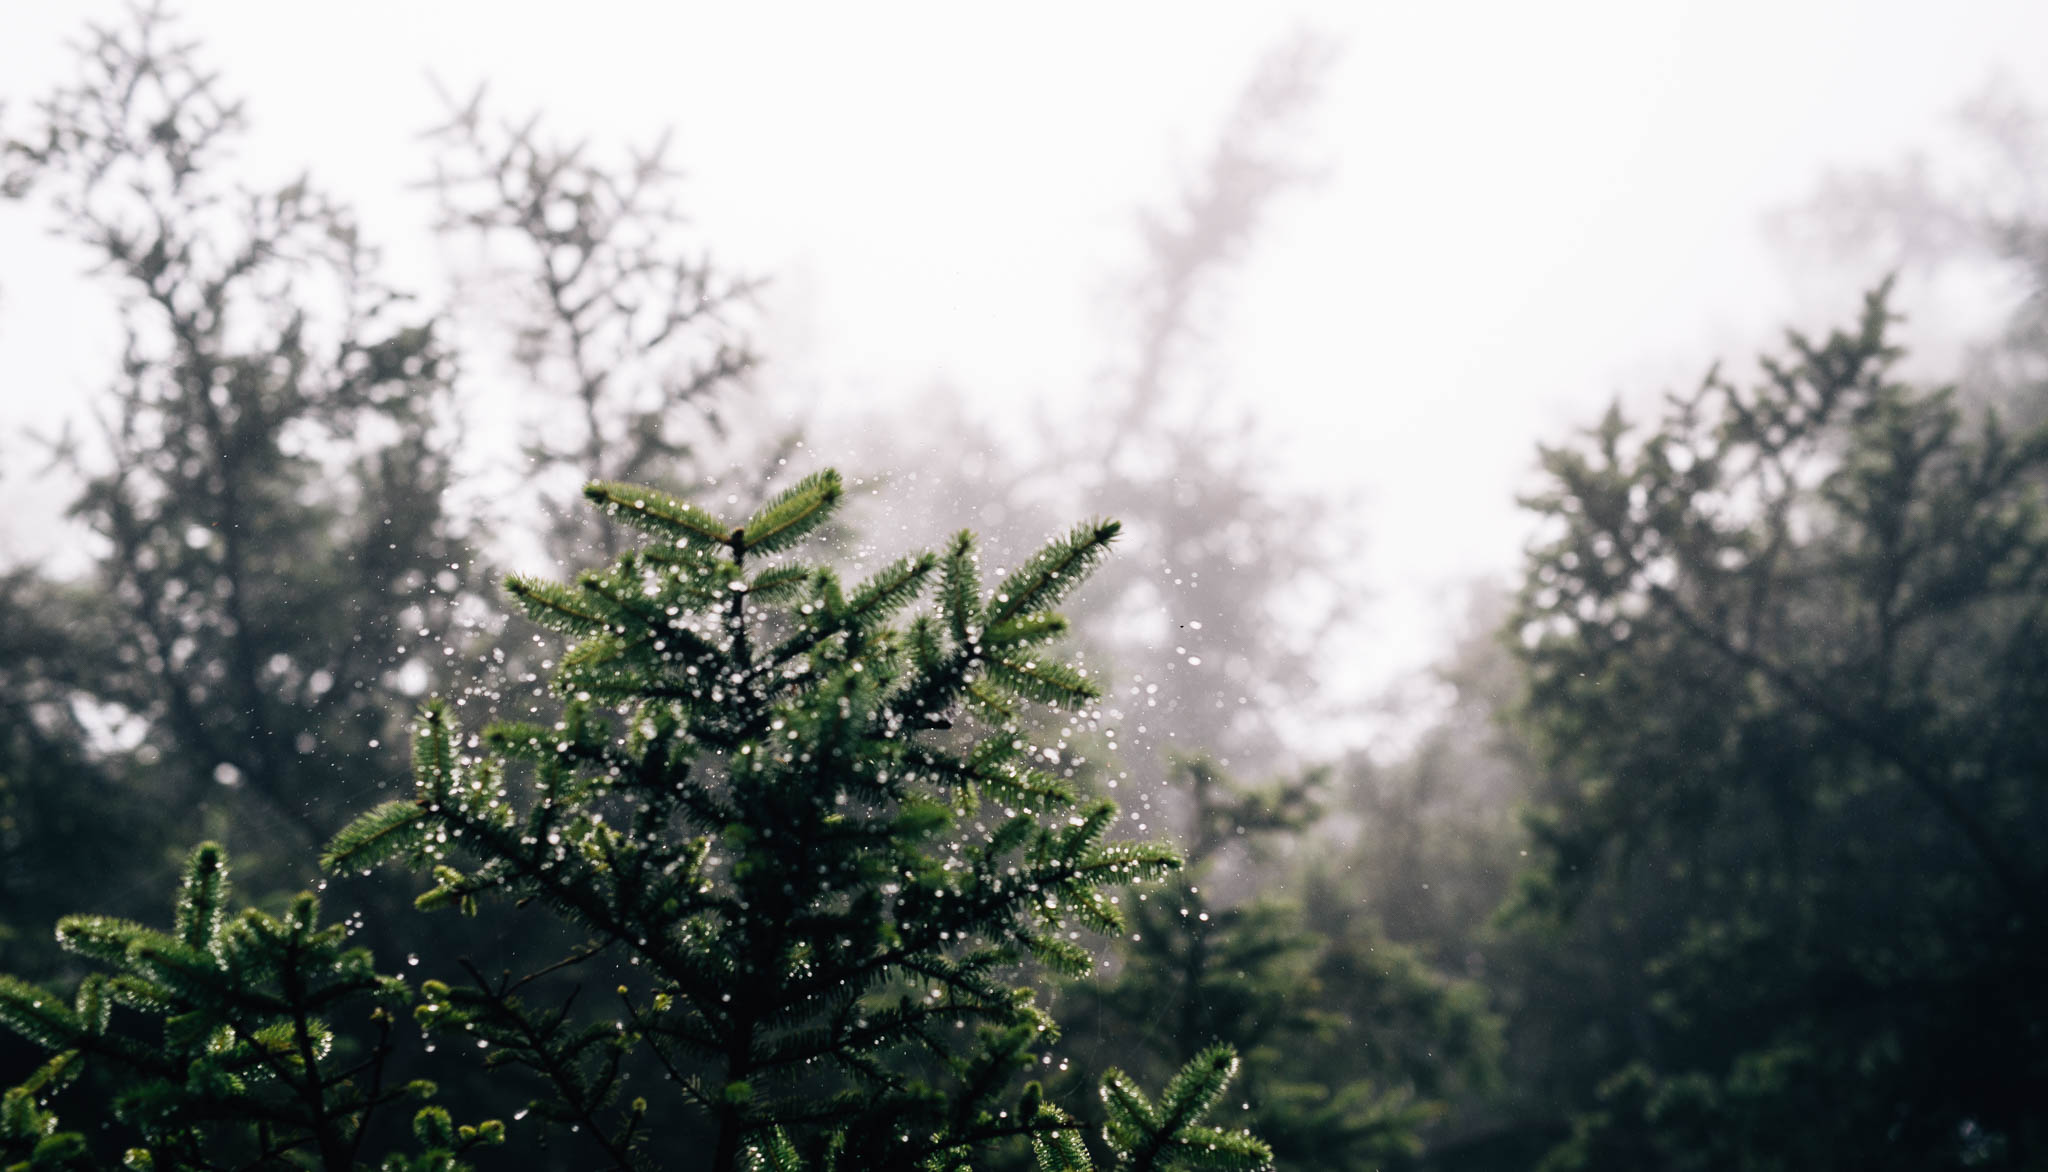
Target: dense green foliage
764,796
778,834
1720,848
239,1066
1786,663
1351,1041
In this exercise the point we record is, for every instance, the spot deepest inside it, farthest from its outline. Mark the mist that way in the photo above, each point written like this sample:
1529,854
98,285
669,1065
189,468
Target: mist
1578,474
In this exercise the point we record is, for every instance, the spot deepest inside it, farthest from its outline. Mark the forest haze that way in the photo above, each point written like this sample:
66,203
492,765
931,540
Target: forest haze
510,690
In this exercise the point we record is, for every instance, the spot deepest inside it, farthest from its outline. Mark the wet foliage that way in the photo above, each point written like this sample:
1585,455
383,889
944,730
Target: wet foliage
763,842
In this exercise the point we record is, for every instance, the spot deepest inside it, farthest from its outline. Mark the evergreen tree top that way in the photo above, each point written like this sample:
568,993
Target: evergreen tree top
815,828
810,839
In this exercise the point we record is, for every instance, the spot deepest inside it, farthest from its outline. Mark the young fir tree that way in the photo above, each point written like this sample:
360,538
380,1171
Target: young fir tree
241,1064
816,839
767,798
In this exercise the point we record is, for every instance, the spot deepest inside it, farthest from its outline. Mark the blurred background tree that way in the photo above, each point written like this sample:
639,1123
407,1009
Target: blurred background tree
1769,866
1965,220
1233,581
1785,651
69,818
1351,1042
626,332
277,570
273,571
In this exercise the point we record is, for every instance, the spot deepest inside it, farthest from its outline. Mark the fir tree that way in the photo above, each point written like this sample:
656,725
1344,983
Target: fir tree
283,557
267,1045
815,836
1785,650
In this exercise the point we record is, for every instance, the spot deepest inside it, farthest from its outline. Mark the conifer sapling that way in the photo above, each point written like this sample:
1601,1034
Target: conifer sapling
816,838
248,1052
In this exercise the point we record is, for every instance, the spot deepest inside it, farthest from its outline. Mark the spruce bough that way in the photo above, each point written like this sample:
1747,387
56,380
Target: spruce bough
240,1065
813,837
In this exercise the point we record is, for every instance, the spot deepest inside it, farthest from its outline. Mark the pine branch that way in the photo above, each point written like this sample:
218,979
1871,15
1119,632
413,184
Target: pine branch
394,828
658,513
1169,1135
1048,575
794,513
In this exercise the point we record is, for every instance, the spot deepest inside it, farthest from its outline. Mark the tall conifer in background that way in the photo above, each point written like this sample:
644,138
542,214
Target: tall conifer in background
68,824
284,564
627,333
266,482
1787,669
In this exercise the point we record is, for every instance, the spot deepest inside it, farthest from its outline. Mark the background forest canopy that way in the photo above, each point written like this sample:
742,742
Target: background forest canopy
1712,838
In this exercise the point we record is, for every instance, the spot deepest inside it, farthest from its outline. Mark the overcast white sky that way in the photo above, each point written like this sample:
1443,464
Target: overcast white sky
1528,207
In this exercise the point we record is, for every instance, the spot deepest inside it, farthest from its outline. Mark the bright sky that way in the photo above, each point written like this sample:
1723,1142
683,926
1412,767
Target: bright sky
1528,207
